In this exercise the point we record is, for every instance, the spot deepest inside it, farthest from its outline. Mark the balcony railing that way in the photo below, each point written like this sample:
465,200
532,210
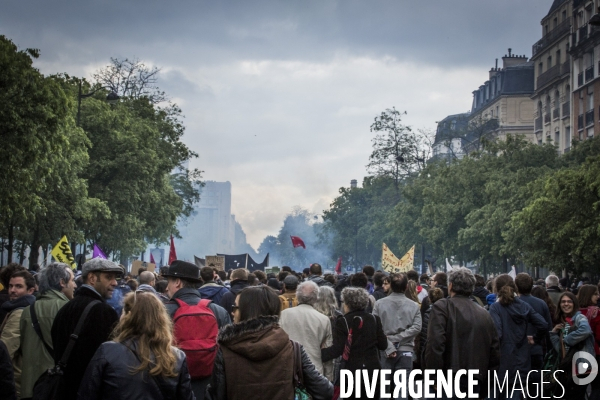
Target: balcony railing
583,33
565,67
566,109
580,79
560,30
555,113
589,118
589,74
538,124
580,122
548,76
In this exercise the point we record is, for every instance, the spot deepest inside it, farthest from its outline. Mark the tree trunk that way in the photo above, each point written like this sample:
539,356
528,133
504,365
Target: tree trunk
505,264
22,253
9,246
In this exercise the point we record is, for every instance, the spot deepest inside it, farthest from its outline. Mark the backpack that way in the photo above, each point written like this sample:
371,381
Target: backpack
286,302
195,332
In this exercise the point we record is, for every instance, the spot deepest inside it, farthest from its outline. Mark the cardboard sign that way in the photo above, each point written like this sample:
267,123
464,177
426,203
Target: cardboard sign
217,261
137,264
391,263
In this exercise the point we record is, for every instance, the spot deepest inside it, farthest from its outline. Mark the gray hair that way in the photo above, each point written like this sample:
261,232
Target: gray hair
50,277
307,293
327,303
355,298
462,280
551,280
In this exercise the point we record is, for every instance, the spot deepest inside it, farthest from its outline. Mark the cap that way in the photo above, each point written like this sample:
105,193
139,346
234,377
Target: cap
100,265
290,280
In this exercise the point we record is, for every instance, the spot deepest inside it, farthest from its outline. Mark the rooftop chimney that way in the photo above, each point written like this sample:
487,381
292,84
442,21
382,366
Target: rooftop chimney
512,59
353,184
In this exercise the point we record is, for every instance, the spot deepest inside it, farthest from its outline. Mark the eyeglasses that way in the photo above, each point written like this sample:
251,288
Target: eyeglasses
566,302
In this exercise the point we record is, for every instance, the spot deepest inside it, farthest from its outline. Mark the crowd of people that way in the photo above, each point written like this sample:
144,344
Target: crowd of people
190,332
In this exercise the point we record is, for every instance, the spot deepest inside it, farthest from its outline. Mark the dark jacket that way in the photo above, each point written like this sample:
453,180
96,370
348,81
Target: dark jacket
7,379
461,335
319,281
191,296
511,323
378,293
366,341
97,328
108,376
541,308
481,292
228,299
9,306
423,336
255,361
212,291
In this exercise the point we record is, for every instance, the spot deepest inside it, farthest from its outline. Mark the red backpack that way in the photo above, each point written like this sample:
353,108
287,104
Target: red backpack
195,332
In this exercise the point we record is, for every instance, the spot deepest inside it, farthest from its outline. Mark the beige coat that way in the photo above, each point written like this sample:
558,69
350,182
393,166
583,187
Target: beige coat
312,330
11,336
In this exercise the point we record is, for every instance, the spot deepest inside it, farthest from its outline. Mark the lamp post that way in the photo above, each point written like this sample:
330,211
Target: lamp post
111,98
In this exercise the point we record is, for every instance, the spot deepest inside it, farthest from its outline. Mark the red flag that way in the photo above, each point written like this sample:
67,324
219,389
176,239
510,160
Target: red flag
152,258
172,253
297,242
338,266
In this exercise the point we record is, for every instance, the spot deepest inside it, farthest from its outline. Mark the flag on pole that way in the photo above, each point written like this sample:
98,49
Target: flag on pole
98,253
338,266
448,266
513,272
297,242
152,258
172,253
62,253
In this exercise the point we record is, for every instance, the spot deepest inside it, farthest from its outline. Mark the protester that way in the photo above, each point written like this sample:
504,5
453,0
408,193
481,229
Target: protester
210,289
57,287
140,361
461,335
20,291
435,294
411,292
367,336
327,304
369,271
575,331
553,289
424,283
255,359
524,284
5,274
288,297
273,283
253,280
480,291
7,379
183,278
413,276
401,322
99,281
308,326
360,280
315,275
541,293
147,282
587,296
378,292
387,288
512,317
440,280
116,301
239,281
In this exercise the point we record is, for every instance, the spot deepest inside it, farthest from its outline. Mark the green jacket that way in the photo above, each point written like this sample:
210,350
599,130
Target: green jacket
36,359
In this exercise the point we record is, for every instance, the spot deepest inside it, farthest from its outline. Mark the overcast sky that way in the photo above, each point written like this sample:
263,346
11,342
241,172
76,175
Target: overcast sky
279,95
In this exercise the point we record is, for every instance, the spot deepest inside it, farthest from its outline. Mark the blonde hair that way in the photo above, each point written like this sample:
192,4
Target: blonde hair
146,320
411,291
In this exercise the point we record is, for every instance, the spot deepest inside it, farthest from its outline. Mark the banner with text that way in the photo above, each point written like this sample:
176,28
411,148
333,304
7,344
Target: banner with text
62,253
391,263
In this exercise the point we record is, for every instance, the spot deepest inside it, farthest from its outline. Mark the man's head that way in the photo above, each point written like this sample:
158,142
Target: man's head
398,282
59,277
359,280
240,274
551,280
182,275
290,283
305,272
424,279
222,275
142,270
261,276
161,286
207,274
378,279
102,275
147,278
20,284
281,276
286,268
307,293
368,270
462,281
7,271
524,283
479,281
440,279
412,275
315,269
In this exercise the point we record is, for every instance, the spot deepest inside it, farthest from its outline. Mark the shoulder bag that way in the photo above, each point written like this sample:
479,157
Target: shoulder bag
300,392
47,386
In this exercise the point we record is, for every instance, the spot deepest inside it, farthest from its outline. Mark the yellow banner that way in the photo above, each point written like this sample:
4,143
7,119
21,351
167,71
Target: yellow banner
391,263
62,253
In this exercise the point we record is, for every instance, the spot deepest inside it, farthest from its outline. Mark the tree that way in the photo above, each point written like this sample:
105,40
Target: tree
131,78
398,151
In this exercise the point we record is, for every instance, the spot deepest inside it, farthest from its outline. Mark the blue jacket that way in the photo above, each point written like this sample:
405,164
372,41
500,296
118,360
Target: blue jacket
582,331
212,291
541,308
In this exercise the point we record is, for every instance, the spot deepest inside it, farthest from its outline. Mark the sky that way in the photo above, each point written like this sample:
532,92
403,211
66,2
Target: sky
279,96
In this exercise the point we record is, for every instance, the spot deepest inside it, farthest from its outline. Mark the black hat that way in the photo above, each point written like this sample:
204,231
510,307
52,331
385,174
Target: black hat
183,270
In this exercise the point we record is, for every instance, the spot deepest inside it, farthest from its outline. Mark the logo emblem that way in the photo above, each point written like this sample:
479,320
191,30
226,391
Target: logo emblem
578,366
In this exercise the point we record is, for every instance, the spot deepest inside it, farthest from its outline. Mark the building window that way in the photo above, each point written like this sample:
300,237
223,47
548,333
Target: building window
557,56
549,62
567,137
564,15
540,68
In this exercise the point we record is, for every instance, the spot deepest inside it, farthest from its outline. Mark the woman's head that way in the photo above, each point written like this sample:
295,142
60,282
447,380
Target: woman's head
435,294
567,306
587,296
255,301
541,293
411,291
326,302
145,319
355,298
386,285
504,287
